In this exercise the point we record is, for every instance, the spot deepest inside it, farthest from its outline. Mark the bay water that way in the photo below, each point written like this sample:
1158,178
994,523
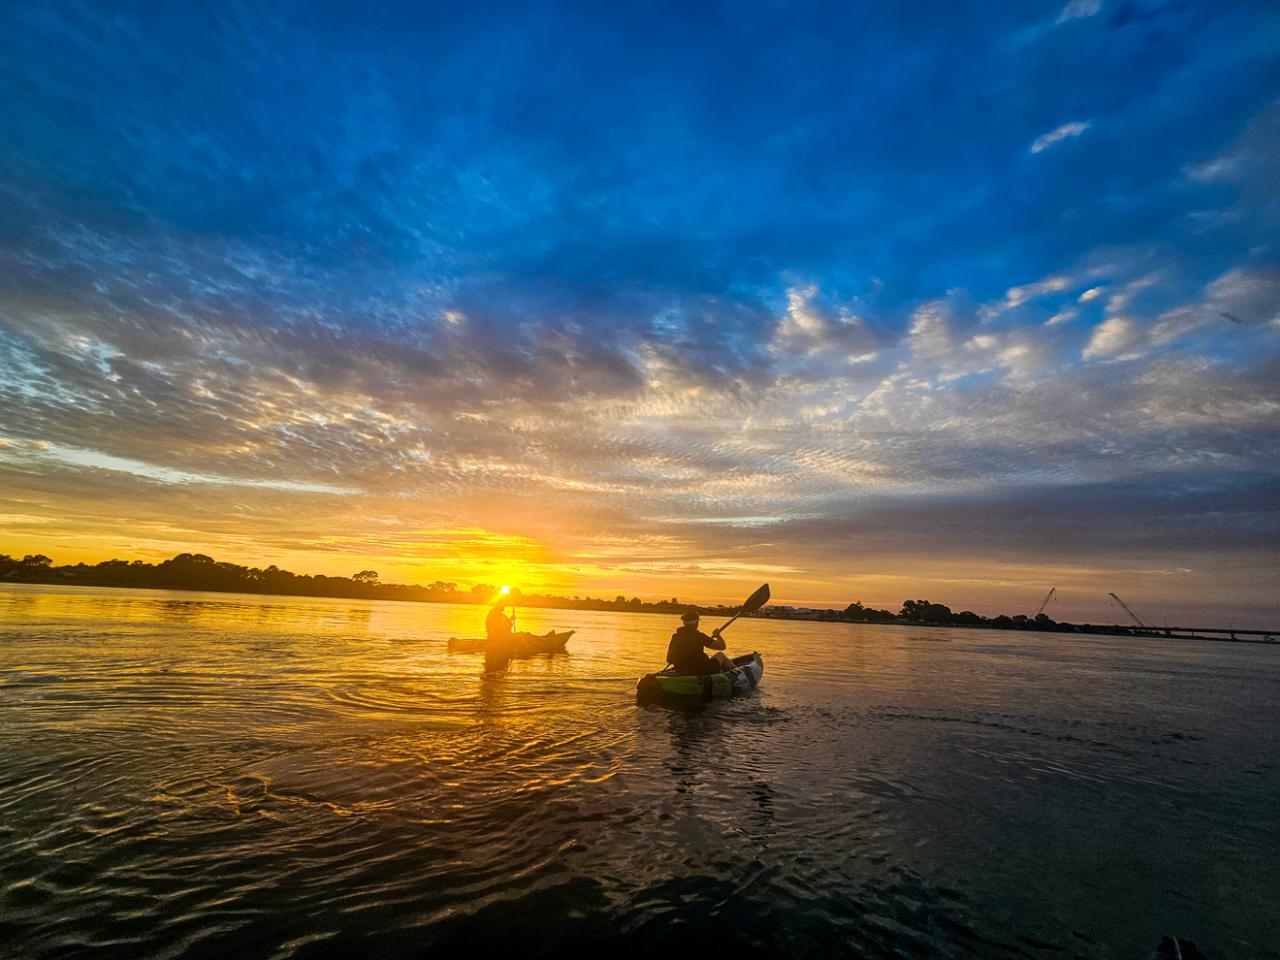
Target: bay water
198,774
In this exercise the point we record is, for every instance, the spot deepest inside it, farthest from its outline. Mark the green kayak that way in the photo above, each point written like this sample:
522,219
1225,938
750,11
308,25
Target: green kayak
688,687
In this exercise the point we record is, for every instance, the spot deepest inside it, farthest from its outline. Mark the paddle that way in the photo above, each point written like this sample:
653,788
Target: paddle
753,603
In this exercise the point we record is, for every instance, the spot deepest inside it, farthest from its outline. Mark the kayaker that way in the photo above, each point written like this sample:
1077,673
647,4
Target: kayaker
685,650
497,625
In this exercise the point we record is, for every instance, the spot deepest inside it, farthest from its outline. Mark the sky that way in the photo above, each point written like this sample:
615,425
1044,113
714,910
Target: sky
869,301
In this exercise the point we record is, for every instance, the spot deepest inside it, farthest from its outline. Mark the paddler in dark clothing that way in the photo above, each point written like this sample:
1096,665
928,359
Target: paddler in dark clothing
497,625
685,650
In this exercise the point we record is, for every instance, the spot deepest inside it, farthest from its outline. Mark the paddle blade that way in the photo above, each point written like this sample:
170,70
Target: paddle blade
756,600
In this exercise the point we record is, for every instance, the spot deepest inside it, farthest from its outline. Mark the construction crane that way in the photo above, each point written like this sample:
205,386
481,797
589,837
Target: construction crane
1045,602
1125,607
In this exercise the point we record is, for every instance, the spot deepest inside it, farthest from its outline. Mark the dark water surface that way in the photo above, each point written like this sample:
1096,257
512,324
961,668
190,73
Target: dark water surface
188,774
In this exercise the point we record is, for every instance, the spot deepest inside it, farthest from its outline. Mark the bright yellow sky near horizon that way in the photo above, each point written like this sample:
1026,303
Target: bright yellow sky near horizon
561,558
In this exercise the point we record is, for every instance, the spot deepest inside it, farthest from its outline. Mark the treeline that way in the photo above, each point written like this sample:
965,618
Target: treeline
925,613
939,614
196,571
922,611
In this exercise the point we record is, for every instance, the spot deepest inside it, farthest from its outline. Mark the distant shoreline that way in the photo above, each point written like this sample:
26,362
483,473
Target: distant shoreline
1259,637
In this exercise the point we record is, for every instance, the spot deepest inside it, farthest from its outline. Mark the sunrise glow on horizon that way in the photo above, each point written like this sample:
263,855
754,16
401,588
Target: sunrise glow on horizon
591,305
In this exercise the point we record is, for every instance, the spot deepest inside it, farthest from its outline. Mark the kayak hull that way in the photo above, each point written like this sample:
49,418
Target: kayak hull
689,688
520,644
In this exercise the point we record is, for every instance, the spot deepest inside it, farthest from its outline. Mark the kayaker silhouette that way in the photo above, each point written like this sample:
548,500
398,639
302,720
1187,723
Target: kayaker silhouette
497,625
685,650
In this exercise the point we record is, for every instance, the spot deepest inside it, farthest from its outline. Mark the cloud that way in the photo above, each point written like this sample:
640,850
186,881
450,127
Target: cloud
1243,302
1245,171
1017,296
1241,296
1112,337
1217,170
941,331
1123,297
1079,9
1058,134
951,407
1062,316
810,327
100,461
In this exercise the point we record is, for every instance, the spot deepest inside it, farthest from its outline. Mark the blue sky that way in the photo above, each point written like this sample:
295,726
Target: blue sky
663,295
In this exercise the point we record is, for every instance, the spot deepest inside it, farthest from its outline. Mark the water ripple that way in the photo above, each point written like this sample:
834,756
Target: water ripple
190,775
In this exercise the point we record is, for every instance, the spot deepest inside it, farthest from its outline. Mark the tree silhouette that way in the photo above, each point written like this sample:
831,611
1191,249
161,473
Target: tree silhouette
198,571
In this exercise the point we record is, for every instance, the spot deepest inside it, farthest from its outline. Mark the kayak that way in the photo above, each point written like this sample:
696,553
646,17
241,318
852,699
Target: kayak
550,642
742,679
518,645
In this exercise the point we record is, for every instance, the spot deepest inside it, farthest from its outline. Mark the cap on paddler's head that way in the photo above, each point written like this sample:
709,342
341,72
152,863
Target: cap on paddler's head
690,617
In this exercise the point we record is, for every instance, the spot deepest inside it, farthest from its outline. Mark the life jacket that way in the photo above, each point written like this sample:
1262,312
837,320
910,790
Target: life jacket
686,644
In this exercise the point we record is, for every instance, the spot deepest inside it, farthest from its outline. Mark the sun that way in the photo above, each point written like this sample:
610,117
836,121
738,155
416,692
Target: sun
504,590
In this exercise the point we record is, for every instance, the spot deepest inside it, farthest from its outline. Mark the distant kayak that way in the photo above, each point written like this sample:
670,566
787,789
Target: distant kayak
691,687
518,645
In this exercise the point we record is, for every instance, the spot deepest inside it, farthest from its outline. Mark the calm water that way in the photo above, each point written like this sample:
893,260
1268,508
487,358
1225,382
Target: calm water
187,774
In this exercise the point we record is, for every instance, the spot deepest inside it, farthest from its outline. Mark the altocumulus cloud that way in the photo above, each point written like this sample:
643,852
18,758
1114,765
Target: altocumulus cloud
1065,132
